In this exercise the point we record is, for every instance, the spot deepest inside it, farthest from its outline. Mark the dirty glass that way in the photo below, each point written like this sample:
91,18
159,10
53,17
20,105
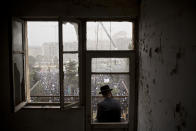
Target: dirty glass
70,36
120,85
110,65
18,71
17,36
43,61
71,77
109,35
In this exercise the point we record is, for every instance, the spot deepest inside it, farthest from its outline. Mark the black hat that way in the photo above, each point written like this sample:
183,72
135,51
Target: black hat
104,89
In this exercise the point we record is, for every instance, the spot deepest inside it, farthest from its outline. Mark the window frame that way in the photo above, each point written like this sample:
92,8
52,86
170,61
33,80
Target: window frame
131,54
16,107
131,96
61,53
39,105
83,54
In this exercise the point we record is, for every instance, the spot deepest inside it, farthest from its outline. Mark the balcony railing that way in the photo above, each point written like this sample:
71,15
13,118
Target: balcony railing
71,97
94,101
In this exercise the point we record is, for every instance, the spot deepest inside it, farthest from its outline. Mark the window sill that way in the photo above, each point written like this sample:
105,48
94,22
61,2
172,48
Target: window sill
41,107
110,124
51,106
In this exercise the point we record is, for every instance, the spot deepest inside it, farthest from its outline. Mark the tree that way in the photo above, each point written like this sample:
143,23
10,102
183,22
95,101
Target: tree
71,78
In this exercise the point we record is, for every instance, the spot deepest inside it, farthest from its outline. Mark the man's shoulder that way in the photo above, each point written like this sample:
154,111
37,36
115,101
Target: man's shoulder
108,101
100,103
104,102
114,100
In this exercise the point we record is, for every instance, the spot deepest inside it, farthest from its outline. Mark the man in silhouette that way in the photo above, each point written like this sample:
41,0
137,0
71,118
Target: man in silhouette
109,109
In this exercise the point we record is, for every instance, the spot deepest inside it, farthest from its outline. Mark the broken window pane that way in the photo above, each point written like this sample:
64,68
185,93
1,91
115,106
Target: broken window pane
120,85
18,70
110,65
17,36
70,36
109,36
43,58
71,78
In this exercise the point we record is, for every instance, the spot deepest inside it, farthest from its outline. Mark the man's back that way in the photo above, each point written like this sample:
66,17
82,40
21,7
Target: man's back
109,111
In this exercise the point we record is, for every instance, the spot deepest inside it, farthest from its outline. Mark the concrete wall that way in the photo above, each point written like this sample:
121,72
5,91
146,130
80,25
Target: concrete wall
43,119
81,8
167,77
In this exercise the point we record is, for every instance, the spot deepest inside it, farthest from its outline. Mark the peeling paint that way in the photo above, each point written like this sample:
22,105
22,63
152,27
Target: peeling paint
167,50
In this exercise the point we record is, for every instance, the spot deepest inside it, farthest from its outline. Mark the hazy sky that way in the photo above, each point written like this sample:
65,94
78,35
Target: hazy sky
42,32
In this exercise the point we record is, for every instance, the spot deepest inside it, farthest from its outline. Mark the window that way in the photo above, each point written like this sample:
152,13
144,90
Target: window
115,73
70,62
45,56
18,64
110,55
63,63
43,61
104,35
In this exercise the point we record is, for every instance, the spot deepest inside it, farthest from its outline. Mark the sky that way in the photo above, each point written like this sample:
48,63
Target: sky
42,32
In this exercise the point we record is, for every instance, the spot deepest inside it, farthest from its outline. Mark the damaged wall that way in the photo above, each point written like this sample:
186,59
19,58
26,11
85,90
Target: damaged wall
167,51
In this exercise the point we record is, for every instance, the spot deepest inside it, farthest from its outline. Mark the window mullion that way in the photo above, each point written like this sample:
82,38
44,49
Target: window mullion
61,74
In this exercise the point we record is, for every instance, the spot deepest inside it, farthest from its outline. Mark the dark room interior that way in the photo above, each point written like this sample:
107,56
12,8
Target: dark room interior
150,63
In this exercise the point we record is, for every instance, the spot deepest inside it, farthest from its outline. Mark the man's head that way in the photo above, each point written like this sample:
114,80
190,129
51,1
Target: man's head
106,91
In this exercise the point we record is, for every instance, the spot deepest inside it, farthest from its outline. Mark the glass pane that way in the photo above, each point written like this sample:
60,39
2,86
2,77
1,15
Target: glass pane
18,71
70,36
110,65
70,68
43,56
109,36
120,85
45,83
17,36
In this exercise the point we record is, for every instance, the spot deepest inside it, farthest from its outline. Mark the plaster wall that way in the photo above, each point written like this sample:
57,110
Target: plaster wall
167,51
